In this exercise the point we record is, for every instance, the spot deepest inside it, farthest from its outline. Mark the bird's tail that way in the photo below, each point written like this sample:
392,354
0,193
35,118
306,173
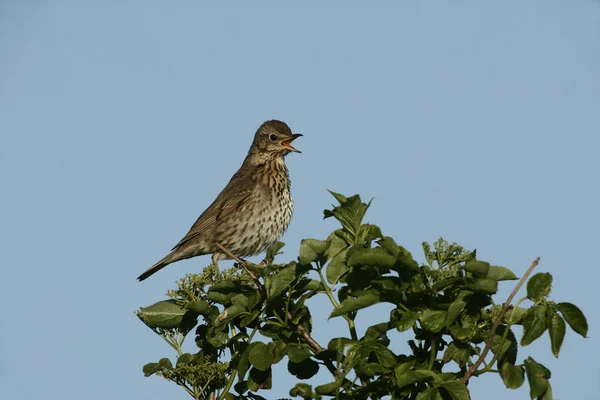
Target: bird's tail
158,266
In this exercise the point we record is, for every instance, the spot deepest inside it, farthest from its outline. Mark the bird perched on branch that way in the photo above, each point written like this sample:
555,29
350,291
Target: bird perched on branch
254,209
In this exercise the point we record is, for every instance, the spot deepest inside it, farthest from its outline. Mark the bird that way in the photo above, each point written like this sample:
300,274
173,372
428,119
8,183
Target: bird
254,209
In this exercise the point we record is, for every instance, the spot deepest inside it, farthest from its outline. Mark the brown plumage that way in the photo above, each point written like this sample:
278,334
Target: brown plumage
254,209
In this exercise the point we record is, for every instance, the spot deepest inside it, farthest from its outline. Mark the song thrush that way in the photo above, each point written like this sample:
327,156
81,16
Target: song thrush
254,209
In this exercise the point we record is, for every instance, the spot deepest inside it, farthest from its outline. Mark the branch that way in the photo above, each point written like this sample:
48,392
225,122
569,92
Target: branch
312,342
503,311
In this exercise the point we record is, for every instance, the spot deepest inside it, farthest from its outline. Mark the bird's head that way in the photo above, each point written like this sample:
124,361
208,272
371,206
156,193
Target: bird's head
273,139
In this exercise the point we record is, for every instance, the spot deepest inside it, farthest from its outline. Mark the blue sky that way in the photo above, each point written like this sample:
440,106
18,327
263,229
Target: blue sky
476,121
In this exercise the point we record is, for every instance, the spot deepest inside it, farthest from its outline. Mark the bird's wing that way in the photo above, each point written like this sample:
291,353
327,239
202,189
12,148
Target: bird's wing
236,194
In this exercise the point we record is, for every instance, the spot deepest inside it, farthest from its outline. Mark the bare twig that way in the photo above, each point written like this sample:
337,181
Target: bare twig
312,342
473,368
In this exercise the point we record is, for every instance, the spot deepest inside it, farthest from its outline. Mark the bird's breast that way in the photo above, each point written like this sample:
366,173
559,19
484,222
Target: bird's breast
265,218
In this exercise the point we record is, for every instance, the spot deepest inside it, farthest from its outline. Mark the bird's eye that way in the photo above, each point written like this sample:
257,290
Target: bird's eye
273,137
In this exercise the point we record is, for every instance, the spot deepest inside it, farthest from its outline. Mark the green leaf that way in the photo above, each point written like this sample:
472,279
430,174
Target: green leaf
539,286
385,356
244,362
280,281
351,304
327,389
279,349
548,394
350,214
389,245
297,355
202,307
457,306
272,251
458,352
411,377
403,368
557,329
515,315
336,245
574,317
377,331
371,257
336,267
538,376
433,320
406,263
241,387
165,314
185,358
479,268
305,369
247,320
447,282
430,393
339,197
313,250
456,390
229,313
370,370
219,340
164,364
406,321
258,379
485,285
218,297
240,300
260,357
505,351
501,274
461,333
372,232
303,390
225,287
150,369
534,324
513,376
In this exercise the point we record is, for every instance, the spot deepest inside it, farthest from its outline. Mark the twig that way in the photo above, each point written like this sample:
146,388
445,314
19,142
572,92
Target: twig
505,307
312,342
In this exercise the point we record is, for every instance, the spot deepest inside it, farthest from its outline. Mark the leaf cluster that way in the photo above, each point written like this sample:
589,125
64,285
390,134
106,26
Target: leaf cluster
256,316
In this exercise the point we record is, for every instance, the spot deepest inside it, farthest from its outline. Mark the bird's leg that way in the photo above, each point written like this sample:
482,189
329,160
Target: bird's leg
240,261
215,259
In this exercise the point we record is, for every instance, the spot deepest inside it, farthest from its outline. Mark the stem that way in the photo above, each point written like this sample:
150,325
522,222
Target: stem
206,387
504,335
350,321
503,311
234,372
282,323
173,342
183,385
432,354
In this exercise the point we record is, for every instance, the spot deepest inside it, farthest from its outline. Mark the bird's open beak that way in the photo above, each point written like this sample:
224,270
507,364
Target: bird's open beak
286,143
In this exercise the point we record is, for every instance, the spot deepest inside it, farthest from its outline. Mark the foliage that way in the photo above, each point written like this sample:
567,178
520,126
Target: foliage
447,303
